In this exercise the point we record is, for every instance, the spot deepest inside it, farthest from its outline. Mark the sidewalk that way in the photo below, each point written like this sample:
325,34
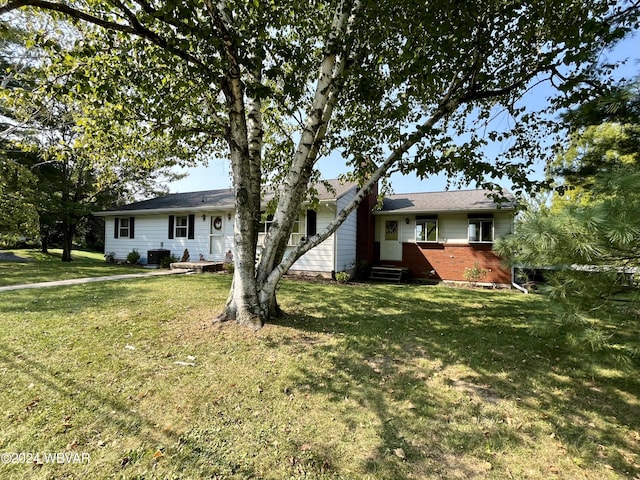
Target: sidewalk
78,281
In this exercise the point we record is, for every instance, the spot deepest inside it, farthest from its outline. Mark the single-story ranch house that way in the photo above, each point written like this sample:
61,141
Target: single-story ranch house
439,236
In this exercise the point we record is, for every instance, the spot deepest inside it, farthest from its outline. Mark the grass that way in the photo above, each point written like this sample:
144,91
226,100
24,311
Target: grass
355,382
41,267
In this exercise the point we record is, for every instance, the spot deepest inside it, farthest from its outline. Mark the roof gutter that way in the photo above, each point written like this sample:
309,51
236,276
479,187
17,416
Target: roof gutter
440,212
160,211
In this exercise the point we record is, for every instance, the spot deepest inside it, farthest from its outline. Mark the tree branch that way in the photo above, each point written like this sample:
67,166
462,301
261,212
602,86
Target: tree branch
168,19
134,28
67,10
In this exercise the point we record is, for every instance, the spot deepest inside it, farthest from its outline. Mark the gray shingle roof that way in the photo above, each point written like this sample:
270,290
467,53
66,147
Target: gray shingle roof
207,198
441,202
213,199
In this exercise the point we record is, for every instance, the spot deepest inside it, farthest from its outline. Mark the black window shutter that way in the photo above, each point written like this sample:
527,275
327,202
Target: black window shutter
312,223
191,227
171,221
116,229
131,226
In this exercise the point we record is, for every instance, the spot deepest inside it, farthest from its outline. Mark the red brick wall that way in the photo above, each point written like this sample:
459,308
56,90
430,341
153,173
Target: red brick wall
448,262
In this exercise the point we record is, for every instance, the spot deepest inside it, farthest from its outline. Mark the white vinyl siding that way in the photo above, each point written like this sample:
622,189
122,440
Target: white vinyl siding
320,258
346,236
452,228
152,233
340,246
502,224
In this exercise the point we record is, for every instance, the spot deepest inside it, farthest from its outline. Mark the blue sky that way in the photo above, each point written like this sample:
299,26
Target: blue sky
217,174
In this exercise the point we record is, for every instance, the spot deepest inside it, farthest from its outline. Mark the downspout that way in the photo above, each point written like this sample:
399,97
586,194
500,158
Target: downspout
513,269
514,284
335,241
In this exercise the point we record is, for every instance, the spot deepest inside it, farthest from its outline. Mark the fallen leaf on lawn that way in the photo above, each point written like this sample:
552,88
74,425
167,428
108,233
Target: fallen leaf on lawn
398,452
158,455
305,447
32,404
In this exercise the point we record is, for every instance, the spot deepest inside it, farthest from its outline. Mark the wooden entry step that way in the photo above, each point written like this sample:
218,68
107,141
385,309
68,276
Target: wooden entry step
198,267
388,274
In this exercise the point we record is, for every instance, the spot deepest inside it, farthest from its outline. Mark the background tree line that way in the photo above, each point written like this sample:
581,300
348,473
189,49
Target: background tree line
54,173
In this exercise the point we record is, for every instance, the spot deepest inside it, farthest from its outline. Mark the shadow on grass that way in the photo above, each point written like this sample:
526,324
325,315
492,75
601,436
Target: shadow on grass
55,388
456,382
111,412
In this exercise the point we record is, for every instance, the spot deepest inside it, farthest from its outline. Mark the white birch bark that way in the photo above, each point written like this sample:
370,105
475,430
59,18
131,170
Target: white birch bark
296,183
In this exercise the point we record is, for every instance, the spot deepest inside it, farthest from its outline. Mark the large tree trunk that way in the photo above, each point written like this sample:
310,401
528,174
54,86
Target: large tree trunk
252,300
245,145
44,240
68,232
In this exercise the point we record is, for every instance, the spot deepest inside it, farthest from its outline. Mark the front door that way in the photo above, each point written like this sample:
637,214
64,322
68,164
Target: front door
216,238
390,241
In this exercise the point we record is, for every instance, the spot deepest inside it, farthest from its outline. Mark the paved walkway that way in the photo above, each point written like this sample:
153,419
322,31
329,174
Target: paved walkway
77,281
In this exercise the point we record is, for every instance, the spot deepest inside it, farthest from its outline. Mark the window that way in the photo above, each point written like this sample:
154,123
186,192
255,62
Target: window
297,231
181,227
124,227
481,229
391,230
426,229
265,223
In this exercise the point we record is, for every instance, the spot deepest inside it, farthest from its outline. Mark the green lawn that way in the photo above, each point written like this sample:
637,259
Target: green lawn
42,267
355,382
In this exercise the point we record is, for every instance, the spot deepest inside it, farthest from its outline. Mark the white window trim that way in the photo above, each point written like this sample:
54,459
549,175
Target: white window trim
415,232
122,229
294,238
177,227
487,219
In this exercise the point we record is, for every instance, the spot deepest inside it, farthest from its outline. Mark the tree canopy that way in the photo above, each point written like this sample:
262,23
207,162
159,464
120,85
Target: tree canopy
274,86
56,171
588,236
